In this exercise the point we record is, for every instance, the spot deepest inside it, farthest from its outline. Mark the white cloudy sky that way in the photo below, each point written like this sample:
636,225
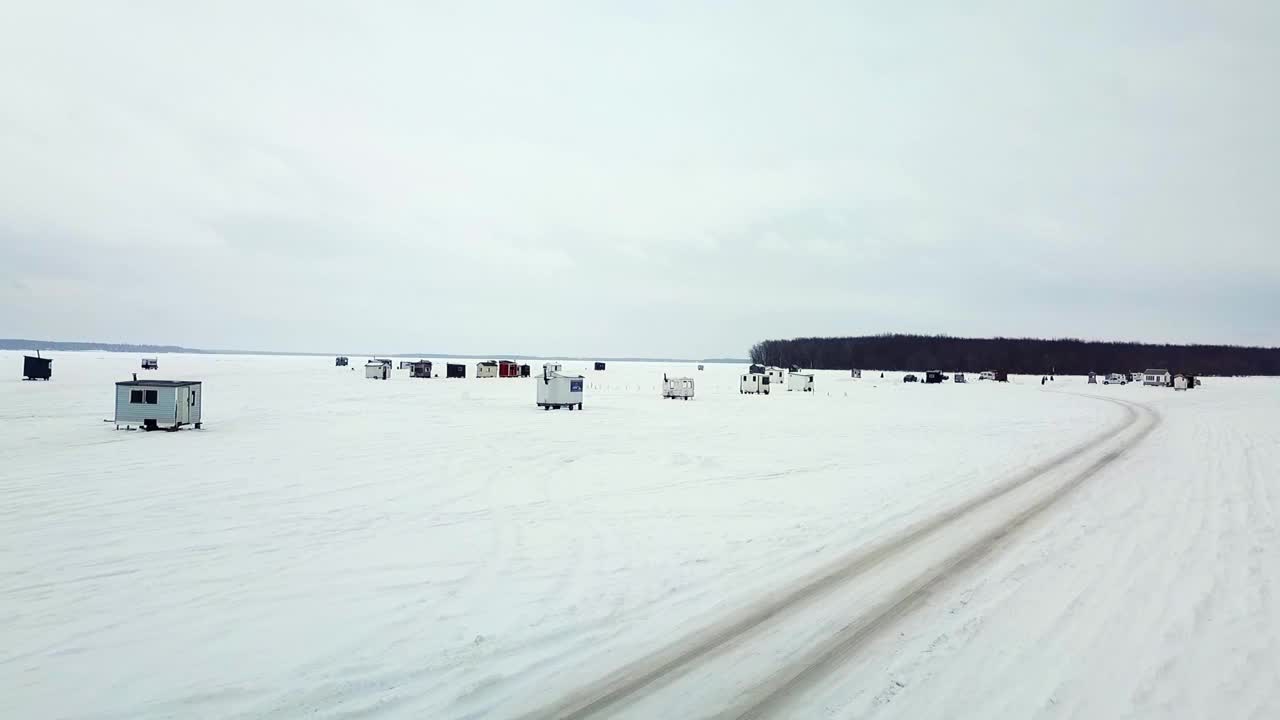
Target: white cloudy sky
636,178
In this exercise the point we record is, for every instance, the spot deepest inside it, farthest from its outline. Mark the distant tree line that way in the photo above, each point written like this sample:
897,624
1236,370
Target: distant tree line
1016,355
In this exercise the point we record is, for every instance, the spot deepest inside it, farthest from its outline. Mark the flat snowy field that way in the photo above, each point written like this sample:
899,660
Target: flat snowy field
331,546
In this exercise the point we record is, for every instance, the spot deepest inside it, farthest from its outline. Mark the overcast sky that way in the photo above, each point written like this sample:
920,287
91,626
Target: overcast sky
636,178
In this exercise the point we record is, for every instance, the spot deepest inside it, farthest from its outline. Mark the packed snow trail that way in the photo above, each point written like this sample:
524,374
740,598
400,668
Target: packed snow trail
1151,592
909,563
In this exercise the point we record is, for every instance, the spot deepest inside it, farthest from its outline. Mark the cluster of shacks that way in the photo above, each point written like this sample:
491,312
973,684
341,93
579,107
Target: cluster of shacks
173,404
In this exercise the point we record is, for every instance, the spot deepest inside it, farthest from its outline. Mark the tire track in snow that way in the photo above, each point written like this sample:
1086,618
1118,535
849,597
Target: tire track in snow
637,680
787,682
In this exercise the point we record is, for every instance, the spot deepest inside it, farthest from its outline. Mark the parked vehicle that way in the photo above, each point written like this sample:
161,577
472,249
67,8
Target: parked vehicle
910,378
1115,379
960,378
988,375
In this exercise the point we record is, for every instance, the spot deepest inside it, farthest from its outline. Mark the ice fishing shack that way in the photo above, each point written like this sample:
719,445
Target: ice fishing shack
754,383
558,391
150,363
777,376
800,382
341,361
157,404
37,368
455,370
420,369
487,369
377,369
677,387
1157,377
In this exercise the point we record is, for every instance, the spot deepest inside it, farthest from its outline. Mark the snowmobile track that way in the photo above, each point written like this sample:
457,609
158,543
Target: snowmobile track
636,680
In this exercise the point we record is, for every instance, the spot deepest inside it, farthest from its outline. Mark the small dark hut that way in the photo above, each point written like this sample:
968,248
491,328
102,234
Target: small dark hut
37,368
420,369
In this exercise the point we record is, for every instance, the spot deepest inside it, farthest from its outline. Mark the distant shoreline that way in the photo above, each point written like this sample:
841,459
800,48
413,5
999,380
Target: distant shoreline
20,344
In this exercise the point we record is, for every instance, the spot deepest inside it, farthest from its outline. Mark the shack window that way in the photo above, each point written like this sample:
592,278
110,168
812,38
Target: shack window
135,397
151,397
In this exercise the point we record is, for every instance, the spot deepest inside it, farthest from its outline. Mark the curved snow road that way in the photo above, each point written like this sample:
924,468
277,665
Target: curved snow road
754,663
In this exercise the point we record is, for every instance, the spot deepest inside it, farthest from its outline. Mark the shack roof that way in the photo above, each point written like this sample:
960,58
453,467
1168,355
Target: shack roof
158,383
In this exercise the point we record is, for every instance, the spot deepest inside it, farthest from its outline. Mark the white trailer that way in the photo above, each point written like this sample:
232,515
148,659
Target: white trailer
754,384
800,382
677,388
558,391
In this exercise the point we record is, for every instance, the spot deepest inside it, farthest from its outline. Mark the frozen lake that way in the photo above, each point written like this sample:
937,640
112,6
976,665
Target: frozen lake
331,546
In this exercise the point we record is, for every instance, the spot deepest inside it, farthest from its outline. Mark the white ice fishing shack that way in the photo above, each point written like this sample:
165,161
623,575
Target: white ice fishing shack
777,376
677,388
754,383
800,382
377,369
558,391
1157,377
158,404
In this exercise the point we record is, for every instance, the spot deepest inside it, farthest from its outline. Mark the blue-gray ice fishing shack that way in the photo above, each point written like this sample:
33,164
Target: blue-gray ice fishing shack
158,404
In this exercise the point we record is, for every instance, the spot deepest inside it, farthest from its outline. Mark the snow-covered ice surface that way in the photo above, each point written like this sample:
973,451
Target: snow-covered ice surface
331,546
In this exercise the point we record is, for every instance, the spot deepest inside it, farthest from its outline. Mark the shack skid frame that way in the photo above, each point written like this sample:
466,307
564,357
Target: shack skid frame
150,426
557,406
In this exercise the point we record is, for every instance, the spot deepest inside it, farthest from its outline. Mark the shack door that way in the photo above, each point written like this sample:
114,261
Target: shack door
184,404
